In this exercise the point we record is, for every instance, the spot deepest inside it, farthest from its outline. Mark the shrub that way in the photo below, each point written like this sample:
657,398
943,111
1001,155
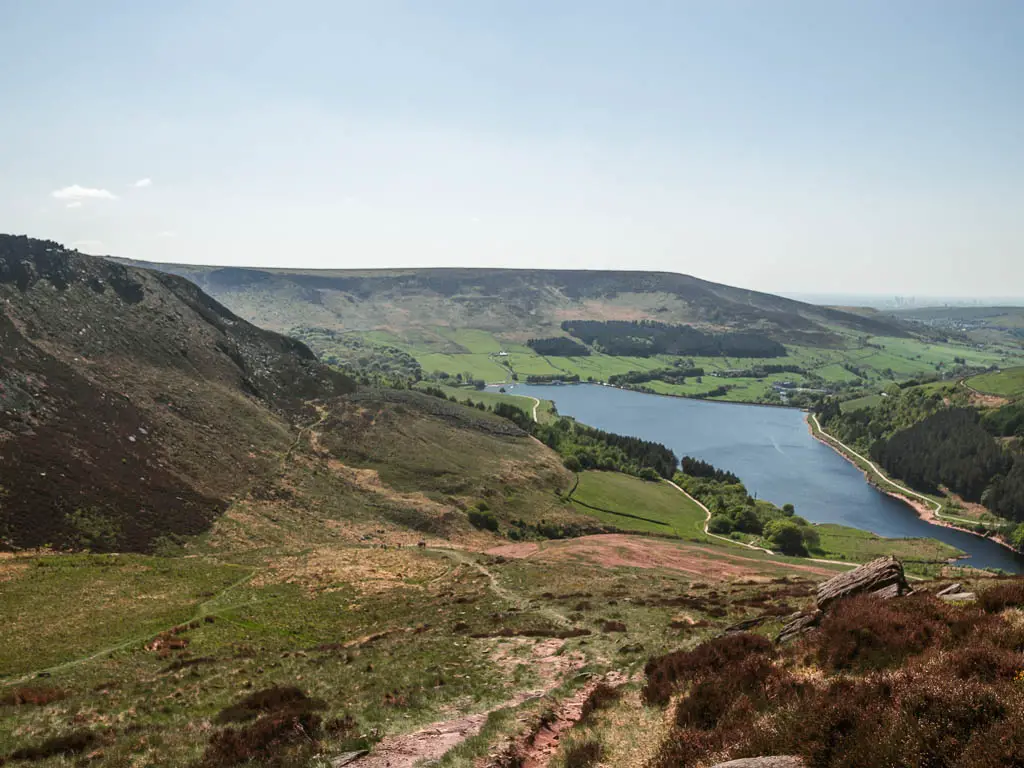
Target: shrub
70,744
485,521
1005,594
865,632
583,754
720,524
664,673
786,536
274,699
28,695
270,739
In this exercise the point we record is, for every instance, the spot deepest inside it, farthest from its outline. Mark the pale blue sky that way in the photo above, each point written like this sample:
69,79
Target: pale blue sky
821,146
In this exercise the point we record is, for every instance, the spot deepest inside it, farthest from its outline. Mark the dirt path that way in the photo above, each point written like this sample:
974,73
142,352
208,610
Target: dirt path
432,742
536,405
468,558
536,748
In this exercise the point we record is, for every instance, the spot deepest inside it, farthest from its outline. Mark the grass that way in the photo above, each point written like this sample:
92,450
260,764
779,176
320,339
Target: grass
881,360
632,504
65,607
1008,383
491,398
868,401
839,542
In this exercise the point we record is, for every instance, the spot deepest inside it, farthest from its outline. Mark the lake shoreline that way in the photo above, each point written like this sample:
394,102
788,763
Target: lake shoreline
923,511
667,394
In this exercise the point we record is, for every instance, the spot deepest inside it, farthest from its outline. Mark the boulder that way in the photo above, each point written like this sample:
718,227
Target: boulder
952,589
882,577
778,761
798,624
959,597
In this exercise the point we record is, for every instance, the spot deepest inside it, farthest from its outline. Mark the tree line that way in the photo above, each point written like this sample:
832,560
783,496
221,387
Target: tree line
584,447
930,440
668,375
647,337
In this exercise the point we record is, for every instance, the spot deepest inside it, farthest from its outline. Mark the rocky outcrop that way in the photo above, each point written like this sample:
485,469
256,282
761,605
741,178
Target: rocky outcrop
778,761
882,578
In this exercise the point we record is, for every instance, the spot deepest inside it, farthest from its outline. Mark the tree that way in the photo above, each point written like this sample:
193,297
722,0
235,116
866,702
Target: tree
786,536
746,520
1017,537
812,540
788,509
720,524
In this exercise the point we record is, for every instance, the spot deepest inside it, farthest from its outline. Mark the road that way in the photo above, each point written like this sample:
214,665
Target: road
536,405
707,519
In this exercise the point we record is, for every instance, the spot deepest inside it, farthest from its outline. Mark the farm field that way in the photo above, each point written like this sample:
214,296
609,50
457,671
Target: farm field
871,362
638,505
1008,383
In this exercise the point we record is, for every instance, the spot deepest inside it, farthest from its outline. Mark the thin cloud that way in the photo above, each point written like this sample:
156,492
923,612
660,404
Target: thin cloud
166,233
78,192
147,182
75,204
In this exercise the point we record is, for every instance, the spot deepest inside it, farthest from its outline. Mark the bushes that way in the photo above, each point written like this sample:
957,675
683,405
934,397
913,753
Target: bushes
1005,594
31,696
485,521
583,754
865,632
665,673
935,686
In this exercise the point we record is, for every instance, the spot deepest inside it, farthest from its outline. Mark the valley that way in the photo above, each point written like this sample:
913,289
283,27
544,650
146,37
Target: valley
477,325
219,550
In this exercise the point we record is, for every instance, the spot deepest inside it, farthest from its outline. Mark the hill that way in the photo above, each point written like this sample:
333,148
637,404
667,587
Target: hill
300,571
132,405
496,325
513,301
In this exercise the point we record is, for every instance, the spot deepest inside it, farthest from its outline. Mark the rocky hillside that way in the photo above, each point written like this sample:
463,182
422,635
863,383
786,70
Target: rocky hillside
531,302
132,405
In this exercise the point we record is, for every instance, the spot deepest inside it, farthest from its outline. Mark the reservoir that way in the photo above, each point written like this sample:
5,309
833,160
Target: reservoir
773,453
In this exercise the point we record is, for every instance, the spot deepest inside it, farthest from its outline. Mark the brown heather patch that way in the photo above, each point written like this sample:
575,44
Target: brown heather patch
913,681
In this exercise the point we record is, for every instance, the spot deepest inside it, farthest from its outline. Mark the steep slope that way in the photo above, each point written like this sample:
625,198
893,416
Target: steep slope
132,405
514,302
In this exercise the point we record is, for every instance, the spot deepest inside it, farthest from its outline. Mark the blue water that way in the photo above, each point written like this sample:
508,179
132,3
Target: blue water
773,453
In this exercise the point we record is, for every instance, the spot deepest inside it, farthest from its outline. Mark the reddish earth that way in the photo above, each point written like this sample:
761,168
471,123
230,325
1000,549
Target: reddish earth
621,550
430,743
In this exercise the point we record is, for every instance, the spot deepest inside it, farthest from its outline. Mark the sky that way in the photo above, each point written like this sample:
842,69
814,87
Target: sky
827,147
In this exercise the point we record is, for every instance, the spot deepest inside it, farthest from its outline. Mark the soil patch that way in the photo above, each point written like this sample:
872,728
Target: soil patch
621,550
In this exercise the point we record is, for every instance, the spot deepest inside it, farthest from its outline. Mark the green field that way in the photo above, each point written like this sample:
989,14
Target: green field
545,411
873,362
838,542
1008,383
638,505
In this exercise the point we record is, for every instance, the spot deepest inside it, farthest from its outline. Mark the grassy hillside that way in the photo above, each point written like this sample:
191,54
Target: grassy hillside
637,505
457,321
1008,383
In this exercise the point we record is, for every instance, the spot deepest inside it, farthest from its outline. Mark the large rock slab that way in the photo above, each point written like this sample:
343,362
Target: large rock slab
883,577
778,761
